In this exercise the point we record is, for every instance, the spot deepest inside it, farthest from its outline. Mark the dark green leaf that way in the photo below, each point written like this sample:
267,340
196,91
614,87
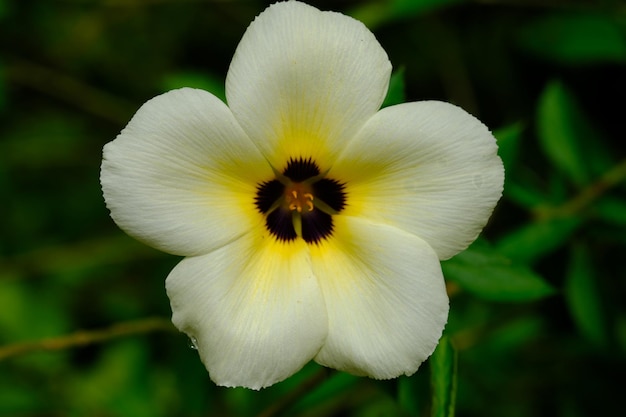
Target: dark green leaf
535,240
575,38
489,275
376,13
337,384
584,301
203,81
395,93
514,333
557,134
524,194
567,137
612,210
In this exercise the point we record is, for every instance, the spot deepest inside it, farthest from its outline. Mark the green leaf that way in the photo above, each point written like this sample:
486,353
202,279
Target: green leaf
567,137
203,81
525,194
517,187
443,378
487,274
376,13
575,38
514,333
337,384
557,132
535,240
612,210
395,93
583,297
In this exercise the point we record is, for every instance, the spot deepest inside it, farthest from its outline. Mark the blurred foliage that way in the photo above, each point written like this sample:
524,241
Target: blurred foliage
537,323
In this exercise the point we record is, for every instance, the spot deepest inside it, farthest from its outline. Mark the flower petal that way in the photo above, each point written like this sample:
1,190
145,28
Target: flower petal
386,299
428,168
254,308
182,175
302,82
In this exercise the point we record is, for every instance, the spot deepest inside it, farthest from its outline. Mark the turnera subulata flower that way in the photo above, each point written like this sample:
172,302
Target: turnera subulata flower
312,223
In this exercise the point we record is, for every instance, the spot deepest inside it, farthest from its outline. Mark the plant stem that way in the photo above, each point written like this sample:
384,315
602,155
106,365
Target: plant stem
587,195
63,87
87,337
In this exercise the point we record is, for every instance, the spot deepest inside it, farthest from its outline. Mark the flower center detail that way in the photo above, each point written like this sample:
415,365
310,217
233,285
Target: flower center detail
300,202
299,197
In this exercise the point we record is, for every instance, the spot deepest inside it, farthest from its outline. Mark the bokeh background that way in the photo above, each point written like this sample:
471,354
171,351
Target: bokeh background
538,317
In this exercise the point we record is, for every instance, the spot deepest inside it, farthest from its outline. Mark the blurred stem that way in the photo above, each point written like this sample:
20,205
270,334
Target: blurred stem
70,90
443,378
294,395
587,195
87,337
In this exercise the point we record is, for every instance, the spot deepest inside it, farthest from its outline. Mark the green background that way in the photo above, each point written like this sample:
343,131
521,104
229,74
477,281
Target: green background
538,319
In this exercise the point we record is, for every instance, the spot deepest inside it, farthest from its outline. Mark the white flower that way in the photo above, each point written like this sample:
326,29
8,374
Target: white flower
311,221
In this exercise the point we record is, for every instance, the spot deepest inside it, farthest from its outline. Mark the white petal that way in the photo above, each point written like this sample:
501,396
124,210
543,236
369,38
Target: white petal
302,82
386,299
182,175
254,308
428,168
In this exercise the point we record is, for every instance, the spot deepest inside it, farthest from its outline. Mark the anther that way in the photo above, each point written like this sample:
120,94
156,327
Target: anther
295,203
309,201
300,200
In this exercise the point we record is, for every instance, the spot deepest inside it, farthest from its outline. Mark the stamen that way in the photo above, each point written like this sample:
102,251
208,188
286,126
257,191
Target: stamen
309,201
298,199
